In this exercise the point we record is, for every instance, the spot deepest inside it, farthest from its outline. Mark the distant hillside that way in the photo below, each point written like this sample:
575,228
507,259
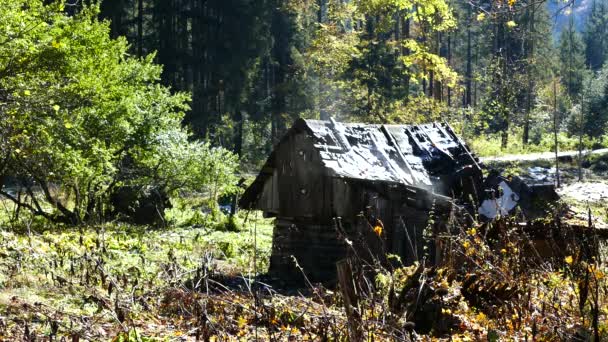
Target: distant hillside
561,15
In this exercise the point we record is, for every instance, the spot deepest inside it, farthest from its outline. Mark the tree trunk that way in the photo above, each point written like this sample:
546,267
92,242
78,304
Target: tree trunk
140,27
280,51
526,133
469,71
450,64
238,149
406,82
555,132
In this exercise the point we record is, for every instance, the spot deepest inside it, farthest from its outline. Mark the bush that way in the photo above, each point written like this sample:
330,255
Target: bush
79,118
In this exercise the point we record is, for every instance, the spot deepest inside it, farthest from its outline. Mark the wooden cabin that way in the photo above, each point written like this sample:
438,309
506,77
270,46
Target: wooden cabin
338,189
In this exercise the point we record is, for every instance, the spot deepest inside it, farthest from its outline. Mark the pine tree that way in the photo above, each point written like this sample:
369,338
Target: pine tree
596,35
572,60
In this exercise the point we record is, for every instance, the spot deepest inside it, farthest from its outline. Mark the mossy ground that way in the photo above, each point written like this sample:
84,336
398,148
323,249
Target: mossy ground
86,277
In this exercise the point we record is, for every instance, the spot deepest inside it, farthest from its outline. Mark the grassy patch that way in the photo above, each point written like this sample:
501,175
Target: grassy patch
490,145
114,273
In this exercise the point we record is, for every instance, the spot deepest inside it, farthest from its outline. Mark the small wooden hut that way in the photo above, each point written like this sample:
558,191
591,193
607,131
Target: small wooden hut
349,188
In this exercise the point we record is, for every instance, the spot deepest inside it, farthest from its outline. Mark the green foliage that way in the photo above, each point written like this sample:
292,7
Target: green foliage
187,166
79,271
376,61
510,59
130,336
589,115
572,60
596,30
365,69
228,224
595,111
78,114
491,145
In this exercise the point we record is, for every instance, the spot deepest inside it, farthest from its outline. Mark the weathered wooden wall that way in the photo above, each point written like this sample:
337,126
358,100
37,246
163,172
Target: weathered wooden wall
318,242
306,200
316,248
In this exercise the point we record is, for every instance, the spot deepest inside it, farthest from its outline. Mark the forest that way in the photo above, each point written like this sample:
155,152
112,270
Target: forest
132,130
489,66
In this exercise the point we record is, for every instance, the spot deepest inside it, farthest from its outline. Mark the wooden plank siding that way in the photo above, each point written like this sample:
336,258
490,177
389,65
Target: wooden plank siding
357,175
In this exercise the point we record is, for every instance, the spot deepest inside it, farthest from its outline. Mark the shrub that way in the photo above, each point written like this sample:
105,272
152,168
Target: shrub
80,117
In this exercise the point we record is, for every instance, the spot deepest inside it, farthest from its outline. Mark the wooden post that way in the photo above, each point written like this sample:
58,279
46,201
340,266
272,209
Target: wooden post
351,300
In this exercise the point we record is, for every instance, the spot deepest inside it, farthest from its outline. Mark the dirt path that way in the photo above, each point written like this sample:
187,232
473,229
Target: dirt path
539,156
593,189
586,191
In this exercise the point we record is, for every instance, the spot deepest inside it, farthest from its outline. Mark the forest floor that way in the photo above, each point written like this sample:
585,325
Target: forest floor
183,283
95,282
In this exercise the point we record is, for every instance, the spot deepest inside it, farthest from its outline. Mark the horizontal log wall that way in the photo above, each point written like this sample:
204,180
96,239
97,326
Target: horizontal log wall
316,248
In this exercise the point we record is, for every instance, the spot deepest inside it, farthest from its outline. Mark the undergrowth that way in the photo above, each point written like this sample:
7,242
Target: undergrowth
185,283
94,283
490,145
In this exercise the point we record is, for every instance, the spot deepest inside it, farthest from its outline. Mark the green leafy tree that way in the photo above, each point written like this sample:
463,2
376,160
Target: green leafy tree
514,62
369,62
78,115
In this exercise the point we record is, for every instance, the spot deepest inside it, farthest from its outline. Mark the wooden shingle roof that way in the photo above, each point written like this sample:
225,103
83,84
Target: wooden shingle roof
412,155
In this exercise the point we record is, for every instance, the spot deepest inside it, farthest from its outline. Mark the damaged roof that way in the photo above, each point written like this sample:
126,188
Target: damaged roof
413,155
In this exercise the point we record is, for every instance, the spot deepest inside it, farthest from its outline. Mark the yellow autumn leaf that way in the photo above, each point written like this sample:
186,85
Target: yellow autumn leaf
56,44
568,259
511,23
56,108
242,322
481,16
378,230
27,93
68,125
511,2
